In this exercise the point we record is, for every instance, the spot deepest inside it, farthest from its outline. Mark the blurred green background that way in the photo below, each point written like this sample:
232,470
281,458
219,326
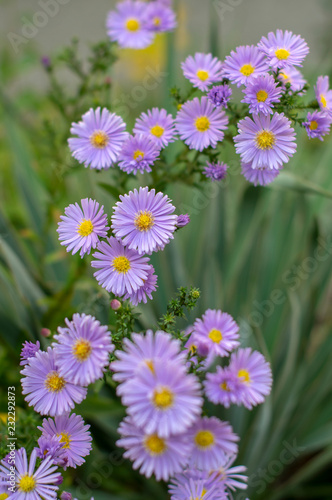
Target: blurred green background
262,254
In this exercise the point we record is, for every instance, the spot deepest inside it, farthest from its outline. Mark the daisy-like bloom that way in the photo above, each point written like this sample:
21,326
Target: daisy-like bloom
144,220
183,220
283,49
262,175
254,374
145,291
195,484
75,437
215,171
244,64
45,389
218,331
160,17
28,351
292,76
324,94
165,401
138,154
151,453
202,70
220,95
232,477
100,138
31,484
81,228
212,440
221,387
265,141
261,93
127,25
120,270
146,350
318,124
51,446
200,124
158,125
82,349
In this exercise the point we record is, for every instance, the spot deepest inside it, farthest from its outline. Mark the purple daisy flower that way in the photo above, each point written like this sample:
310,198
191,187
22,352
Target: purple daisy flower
212,440
150,285
158,125
144,220
139,152
244,64
31,484
215,171
120,269
200,124
294,77
74,436
45,389
51,446
265,141
81,228
262,175
202,70
82,349
160,17
254,374
151,453
127,25
261,93
101,135
283,49
232,477
146,350
324,94
183,220
166,401
220,95
221,387
318,124
28,351
195,484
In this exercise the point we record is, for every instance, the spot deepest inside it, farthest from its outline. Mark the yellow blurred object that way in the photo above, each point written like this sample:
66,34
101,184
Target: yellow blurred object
135,62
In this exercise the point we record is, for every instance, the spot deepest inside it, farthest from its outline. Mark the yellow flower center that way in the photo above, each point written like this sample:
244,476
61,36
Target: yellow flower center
179,106
155,445
262,96
215,336
132,25
65,439
286,77
202,75
99,139
282,54
202,123
323,100
150,365
82,349
157,130
121,264
54,383
163,399
247,69
193,349
27,483
224,387
144,220
138,155
204,439
3,496
313,125
244,376
85,228
265,139
157,21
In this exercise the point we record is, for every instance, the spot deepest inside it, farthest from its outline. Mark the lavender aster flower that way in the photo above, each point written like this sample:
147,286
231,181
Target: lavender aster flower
262,175
283,49
138,154
220,95
202,70
324,94
318,124
243,64
261,93
232,477
127,25
200,124
45,389
150,285
151,453
160,17
144,220
101,135
183,220
29,351
81,228
222,387
158,125
265,141
51,446
215,171
292,76
196,484
120,269
82,349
